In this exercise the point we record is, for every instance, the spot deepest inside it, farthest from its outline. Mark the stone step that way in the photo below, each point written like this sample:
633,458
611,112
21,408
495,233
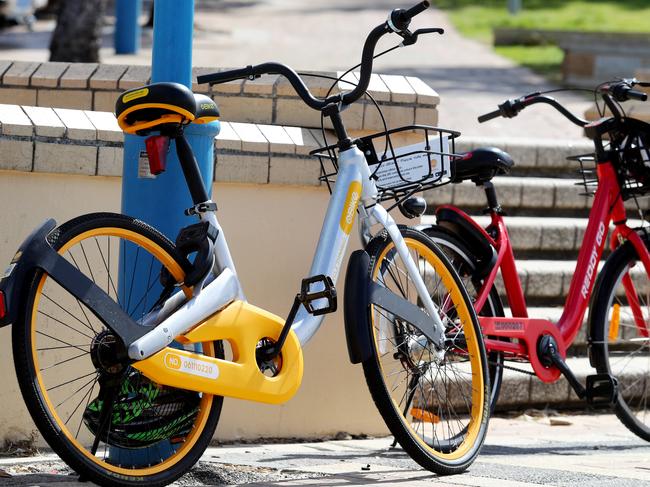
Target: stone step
547,282
534,156
541,237
405,100
521,196
520,388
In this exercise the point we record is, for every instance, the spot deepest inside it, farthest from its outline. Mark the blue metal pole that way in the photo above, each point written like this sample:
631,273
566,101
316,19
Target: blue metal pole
160,201
127,26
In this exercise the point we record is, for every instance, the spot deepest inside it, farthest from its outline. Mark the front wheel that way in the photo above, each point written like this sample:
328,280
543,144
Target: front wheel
435,402
105,419
619,322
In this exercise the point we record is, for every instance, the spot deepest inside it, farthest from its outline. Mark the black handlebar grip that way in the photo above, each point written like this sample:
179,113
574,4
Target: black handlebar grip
417,9
489,116
225,76
637,95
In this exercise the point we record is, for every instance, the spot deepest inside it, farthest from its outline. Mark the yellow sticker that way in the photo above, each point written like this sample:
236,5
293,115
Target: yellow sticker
134,95
350,207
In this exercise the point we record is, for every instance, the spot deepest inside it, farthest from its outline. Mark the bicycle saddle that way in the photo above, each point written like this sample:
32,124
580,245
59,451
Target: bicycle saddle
148,108
481,165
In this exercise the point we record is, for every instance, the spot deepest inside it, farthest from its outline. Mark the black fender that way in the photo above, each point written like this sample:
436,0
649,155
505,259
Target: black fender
35,254
355,307
455,223
20,271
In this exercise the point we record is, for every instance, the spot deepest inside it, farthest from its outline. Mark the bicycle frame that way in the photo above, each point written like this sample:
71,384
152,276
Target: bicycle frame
209,314
607,207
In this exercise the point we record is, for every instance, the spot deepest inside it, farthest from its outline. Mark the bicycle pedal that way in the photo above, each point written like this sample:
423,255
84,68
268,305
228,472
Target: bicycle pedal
307,297
601,389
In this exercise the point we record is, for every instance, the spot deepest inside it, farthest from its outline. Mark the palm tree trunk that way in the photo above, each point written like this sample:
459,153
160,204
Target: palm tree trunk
77,36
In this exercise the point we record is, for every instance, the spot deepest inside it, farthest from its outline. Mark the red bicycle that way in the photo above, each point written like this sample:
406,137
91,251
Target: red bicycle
618,335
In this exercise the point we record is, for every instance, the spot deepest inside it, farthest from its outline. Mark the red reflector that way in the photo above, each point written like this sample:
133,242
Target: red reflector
3,308
157,148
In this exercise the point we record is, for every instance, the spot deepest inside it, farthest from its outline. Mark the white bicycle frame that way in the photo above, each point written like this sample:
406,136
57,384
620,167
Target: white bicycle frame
353,187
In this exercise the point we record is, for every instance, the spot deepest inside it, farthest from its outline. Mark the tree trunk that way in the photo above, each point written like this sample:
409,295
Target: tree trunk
77,36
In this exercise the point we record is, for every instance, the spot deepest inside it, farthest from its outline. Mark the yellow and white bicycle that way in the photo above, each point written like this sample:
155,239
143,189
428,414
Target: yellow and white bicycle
125,377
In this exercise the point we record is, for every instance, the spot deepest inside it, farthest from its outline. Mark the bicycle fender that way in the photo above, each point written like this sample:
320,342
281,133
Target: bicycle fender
459,225
355,307
36,253
20,270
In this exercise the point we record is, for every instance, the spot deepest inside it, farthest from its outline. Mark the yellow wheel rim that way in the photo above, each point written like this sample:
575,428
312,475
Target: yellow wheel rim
205,404
478,407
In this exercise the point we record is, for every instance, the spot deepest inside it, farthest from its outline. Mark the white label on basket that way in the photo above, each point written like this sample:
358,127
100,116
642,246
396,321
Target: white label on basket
414,164
144,172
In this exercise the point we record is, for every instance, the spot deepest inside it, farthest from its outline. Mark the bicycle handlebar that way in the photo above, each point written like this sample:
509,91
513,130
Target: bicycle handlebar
252,72
397,22
489,116
619,91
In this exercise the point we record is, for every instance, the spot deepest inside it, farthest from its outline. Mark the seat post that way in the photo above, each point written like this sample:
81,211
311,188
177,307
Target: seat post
190,170
491,194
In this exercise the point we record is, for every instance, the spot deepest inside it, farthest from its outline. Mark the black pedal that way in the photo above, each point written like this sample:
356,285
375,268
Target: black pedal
602,389
329,292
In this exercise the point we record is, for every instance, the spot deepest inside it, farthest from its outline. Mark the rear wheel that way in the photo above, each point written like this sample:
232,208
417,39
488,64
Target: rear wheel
433,401
460,257
101,416
619,321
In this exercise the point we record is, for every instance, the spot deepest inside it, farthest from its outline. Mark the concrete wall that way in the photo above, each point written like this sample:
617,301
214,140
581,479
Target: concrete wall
272,231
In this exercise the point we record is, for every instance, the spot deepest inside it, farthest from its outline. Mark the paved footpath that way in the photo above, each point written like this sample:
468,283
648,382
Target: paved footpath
562,451
328,35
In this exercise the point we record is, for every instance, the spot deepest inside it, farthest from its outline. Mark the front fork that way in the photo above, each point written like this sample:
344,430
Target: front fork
379,215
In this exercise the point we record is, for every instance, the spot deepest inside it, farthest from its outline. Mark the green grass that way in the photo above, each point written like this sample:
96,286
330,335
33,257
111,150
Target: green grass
476,19
545,60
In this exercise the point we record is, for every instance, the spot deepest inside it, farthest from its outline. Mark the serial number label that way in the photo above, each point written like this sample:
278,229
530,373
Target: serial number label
191,366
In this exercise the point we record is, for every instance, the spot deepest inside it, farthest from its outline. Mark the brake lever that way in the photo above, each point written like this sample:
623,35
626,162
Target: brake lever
411,38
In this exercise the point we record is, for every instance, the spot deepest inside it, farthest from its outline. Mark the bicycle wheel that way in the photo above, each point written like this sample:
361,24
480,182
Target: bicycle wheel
460,257
620,343
102,417
434,402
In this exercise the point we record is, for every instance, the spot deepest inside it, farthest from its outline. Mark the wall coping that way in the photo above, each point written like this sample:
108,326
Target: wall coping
83,142
269,99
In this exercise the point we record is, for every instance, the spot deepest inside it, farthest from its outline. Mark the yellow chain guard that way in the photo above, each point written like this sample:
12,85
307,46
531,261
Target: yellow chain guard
242,325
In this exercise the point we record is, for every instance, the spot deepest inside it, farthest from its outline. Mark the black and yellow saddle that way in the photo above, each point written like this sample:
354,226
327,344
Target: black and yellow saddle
158,105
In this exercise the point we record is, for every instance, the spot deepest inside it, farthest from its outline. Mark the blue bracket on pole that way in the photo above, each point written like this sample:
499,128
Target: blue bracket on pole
161,201
127,26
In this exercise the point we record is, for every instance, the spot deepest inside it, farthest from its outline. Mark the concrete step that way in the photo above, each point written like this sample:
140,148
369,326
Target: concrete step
547,282
541,237
534,156
522,196
520,388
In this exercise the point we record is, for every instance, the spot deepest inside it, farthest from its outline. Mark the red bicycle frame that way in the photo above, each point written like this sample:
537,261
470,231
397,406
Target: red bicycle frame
608,206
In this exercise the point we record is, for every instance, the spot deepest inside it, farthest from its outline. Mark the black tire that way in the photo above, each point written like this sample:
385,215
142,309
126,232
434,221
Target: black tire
88,242
440,419
626,354
460,257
